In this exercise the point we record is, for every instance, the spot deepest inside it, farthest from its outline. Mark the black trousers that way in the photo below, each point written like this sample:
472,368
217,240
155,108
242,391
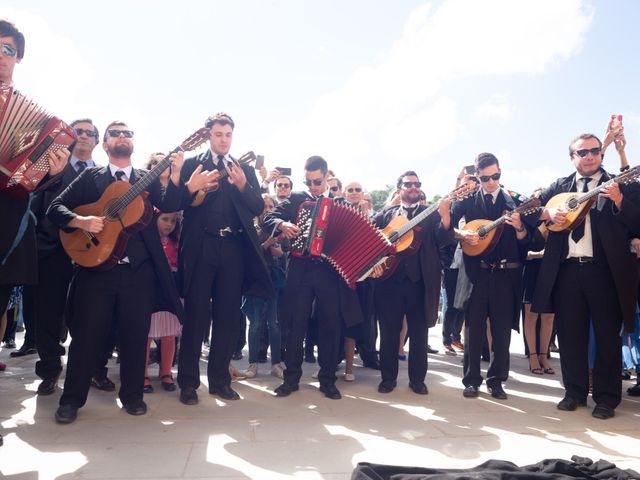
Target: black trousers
49,300
98,299
453,317
217,280
492,297
367,344
318,282
393,301
586,292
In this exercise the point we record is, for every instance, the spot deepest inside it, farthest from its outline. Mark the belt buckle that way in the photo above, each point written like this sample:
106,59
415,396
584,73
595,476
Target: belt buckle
225,232
584,260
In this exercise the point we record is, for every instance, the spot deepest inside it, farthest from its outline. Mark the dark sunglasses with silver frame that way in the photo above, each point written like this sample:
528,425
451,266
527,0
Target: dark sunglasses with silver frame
116,133
486,178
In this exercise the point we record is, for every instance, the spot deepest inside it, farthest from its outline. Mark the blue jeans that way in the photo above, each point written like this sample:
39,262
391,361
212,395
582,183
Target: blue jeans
258,311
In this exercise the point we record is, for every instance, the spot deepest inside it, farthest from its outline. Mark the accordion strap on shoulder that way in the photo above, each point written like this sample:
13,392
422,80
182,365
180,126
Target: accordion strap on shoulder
24,223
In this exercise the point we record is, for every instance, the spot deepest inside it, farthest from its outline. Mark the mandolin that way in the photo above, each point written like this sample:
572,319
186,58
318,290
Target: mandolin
201,195
577,205
401,231
490,231
125,212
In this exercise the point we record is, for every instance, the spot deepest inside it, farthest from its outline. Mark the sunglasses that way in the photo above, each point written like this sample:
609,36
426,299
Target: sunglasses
486,178
352,190
583,152
411,184
117,133
283,185
88,133
7,50
335,189
316,181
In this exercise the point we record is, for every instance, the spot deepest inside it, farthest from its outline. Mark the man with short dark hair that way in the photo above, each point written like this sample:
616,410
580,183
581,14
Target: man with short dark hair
413,289
284,187
496,278
220,259
588,274
335,187
309,280
125,293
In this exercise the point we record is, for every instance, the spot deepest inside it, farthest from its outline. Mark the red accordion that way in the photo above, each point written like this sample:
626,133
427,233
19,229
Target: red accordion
28,136
342,235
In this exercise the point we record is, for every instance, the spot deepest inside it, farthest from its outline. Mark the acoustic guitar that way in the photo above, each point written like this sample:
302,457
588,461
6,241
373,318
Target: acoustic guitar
577,205
401,231
125,212
490,231
201,195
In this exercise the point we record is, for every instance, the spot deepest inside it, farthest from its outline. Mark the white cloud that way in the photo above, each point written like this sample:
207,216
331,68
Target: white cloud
393,114
495,108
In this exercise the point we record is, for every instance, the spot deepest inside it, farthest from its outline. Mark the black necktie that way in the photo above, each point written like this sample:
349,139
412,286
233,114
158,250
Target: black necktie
488,198
80,166
120,175
220,162
578,232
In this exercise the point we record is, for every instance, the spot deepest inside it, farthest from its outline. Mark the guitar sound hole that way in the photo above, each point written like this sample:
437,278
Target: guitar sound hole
572,204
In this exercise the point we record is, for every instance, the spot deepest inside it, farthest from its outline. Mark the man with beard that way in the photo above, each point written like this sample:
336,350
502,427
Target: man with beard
125,293
413,289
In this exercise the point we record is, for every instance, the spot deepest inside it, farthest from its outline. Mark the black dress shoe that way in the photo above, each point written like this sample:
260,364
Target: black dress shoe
331,391
48,386
431,350
309,358
603,411
135,408
419,387
470,392
225,391
497,392
237,355
286,389
188,396
634,391
103,384
568,404
386,386
25,349
66,414
374,365
10,344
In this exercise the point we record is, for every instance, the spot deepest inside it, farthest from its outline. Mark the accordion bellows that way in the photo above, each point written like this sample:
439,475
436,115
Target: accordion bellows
28,137
342,235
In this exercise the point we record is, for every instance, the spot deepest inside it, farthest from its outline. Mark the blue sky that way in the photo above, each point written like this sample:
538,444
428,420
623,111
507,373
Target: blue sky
374,87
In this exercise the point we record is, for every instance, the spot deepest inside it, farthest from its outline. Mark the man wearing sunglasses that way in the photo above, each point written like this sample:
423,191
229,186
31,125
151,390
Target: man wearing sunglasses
123,295
589,275
48,298
18,250
284,187
496,279
335,187
413,289
311,280
220,259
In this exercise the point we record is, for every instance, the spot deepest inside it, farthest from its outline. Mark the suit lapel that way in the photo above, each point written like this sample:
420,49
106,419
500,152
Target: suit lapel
601,200
103,179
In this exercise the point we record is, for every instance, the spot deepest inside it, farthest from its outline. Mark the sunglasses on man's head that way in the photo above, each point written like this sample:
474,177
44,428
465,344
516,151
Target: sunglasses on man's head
411,184
283,185
583,152
316,181
117,133
87,132
354,189
8,50
486,178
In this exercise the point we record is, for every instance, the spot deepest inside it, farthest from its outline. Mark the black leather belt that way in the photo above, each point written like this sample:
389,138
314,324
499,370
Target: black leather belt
580,260
224,232
500,265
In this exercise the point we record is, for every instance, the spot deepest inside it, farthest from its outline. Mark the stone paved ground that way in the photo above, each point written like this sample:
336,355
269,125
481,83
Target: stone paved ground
305,436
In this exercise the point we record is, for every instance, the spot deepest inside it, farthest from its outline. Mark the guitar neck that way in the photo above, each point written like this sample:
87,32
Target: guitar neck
622,178
414,221
143,183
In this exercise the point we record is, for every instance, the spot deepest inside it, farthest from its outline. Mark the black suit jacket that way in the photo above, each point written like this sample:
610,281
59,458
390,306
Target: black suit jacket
611,230
21,266
89,186
287,211
248,204
433,237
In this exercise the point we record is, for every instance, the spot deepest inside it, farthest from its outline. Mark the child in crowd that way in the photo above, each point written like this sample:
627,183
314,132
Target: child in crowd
164,323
